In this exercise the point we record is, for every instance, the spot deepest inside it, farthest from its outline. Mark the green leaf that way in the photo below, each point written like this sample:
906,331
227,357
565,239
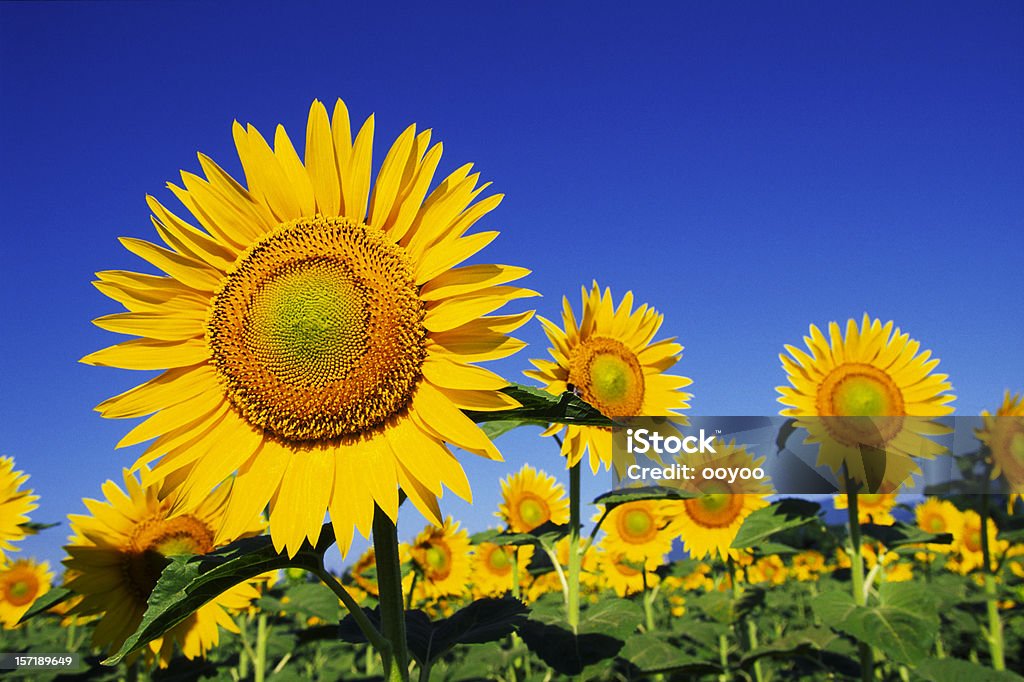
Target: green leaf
189,582
54,596
650,653
484,620
899,534
903,625
956,670
545,535
313,599
603,630
614,498
542,408
33,528
775,518
799,643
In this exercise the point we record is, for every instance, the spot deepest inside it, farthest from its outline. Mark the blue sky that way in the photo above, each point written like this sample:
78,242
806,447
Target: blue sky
746,168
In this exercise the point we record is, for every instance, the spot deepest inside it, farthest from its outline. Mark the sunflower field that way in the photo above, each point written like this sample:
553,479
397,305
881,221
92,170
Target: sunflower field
317,335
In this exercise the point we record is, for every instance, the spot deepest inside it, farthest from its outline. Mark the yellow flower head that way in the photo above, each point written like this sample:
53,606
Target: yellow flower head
871,507
444,559
21,583
492,568
624,575
967,544
531,498
768,569
939,516
15,504
807,565
869,388
316,335
708,523
116,554
639,530
1003,433
610,360
363,572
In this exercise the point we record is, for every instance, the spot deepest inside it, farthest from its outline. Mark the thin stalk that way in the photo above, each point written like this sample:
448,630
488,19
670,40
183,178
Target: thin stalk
389,582
867,662
723,657
573,579
750,642
559,572
259,666
247,653
995,624
371,633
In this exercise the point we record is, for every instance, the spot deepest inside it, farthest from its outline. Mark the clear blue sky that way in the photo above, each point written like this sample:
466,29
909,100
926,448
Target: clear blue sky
747,168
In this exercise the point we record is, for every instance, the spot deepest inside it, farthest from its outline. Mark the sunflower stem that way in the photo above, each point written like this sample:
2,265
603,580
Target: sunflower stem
995,624
573,603
259,667
867,663
515,570
389,582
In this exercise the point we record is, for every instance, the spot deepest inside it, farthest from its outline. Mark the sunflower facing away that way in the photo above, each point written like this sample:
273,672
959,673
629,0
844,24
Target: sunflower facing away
15,504
1003,433
531,498
316,333
609,358
707,524
871,387
115,557
21,583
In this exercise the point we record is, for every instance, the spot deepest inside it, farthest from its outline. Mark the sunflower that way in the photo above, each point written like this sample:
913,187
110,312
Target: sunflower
610,360
364,572
938,516
638,529
708,523
531,498
315,334
808,565
115,557
492,568
873,508
967,547
768,569
21,583
1003,434
442,556
624,575
871,388
15,505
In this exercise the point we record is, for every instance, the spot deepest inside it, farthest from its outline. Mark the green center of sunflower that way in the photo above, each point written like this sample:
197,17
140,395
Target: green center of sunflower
317,332
637,526
499,561
714,510
22,590
609,376
155,539
937,524
533,511
437,558
862,404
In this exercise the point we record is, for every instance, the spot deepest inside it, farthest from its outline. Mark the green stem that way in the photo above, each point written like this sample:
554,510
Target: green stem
573,579
649,596
995,624
723,657
259,666
515,570
389,582
247,653
867,663
751,628
371,633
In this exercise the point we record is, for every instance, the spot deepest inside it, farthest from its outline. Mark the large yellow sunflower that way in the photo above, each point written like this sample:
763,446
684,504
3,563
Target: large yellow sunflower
444,559
638,530
1003,433
15,504
610,360
115,557
531,498
707,524
21,583
869,388
316,335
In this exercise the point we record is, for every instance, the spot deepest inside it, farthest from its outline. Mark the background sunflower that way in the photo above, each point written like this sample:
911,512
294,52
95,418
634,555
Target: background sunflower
610,357
15,505
531,498
21,583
